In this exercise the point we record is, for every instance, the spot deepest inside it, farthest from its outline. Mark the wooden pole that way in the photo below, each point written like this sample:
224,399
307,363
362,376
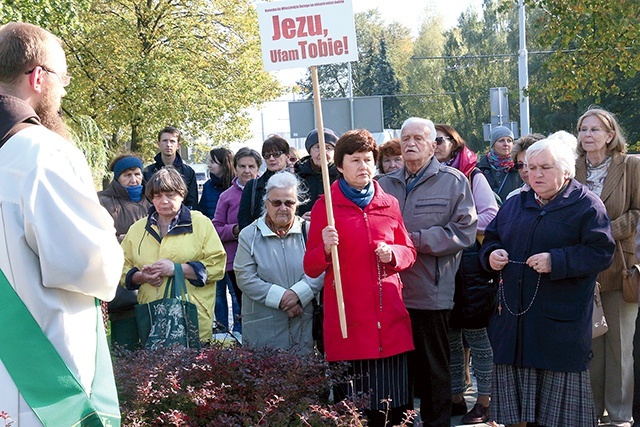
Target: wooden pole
326,184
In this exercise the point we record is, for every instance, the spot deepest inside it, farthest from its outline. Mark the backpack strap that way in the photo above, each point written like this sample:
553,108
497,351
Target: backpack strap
43,379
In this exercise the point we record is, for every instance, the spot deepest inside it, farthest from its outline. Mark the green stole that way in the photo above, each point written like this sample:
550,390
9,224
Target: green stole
43,379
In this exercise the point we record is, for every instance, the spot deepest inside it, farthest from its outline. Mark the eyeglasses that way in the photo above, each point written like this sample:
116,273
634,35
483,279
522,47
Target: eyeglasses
64,79
440,139
518,165
293,159
590,130
274,154
277,203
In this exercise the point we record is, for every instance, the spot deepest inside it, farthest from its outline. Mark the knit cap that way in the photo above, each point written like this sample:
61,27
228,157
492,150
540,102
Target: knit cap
312,139
499,132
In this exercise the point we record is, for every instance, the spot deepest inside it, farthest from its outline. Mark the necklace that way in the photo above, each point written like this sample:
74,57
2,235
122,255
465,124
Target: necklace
502,298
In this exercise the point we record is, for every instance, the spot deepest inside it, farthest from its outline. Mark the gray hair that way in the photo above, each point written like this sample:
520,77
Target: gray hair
424,122
286,181
561,151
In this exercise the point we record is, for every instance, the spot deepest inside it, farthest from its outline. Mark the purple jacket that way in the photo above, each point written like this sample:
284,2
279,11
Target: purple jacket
226,217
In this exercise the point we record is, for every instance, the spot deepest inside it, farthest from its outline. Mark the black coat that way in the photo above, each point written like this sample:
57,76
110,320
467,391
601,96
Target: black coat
501,183
554,332
188,174
313,181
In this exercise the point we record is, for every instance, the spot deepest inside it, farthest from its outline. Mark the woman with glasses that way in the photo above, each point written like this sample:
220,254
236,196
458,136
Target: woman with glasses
309,169
373,246
517,155
472,309
497,165
604,166
276,293
275,151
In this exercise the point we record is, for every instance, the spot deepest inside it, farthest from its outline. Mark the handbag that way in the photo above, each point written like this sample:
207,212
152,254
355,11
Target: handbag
630,279
172,320
599,322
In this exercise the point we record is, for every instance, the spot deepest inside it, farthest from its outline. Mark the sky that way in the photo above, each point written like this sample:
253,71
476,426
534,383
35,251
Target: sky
273,118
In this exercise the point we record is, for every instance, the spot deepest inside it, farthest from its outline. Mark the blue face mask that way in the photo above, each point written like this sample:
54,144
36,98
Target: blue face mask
135,193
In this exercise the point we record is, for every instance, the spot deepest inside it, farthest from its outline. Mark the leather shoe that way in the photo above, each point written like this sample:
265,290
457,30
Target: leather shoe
477,414
459,408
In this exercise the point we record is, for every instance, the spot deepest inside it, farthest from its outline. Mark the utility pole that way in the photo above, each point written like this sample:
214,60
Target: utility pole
523,73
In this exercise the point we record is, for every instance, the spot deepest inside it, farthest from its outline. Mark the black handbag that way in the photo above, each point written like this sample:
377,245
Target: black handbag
172,320
476,295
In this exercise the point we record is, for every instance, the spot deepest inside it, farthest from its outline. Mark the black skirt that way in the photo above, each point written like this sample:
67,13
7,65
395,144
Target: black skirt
384,380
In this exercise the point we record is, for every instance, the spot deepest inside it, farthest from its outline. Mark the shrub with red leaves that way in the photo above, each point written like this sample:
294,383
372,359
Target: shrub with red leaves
228,386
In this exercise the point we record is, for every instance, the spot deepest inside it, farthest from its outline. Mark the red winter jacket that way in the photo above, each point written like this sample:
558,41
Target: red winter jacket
376,327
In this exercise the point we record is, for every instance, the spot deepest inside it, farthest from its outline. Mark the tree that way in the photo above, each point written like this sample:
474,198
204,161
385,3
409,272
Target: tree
139,65
595,43
143,64
333,79
380,80
477,62
424,96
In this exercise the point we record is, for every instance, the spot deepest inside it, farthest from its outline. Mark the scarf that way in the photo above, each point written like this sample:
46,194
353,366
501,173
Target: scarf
135,192
360,197
499,163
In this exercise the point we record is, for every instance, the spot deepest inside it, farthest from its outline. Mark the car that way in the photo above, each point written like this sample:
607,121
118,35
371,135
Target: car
202,175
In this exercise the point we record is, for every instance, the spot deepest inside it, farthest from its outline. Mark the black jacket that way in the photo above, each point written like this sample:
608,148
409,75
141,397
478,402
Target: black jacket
188,174
313,180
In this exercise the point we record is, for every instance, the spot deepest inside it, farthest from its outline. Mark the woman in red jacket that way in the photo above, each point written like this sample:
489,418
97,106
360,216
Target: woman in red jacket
373,246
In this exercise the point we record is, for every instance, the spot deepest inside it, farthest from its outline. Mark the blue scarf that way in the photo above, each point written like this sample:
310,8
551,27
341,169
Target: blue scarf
135,192
360,197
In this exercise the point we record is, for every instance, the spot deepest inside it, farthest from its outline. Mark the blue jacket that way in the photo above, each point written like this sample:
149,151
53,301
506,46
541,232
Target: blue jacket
211,191
555,333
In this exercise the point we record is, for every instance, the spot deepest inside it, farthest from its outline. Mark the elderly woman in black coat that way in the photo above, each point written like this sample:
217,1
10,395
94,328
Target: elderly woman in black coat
548,245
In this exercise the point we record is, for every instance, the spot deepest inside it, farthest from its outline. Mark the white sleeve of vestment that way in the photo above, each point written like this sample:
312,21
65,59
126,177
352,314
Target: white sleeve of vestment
65,225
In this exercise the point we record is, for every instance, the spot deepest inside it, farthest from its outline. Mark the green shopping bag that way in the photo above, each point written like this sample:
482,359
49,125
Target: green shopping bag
172,320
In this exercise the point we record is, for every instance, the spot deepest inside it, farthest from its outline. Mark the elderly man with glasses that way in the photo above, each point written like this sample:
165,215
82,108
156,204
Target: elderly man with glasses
440,216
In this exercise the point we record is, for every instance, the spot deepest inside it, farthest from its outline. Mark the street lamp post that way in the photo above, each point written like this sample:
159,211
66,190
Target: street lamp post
523,73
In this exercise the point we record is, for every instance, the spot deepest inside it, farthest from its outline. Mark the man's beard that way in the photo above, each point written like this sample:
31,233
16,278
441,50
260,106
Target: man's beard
50,114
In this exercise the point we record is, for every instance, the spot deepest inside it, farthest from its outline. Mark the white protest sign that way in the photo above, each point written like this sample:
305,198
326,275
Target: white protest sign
302,33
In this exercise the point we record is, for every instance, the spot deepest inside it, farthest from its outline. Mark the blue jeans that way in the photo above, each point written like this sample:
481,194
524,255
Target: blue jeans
222,309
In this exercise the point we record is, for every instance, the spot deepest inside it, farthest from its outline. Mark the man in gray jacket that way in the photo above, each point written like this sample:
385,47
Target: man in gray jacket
440,216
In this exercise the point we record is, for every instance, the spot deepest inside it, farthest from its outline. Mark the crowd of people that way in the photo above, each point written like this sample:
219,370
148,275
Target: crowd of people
447,259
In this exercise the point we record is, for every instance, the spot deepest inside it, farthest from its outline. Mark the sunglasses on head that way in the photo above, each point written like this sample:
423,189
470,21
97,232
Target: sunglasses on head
440,139
277,203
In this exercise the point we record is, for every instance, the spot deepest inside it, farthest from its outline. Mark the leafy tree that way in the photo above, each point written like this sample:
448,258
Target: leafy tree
595,43
476,48
139,65
424,96
143,64
380,79
333,79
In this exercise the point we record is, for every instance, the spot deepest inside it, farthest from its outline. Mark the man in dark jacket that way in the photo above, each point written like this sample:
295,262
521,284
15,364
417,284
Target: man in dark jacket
309,168
169,144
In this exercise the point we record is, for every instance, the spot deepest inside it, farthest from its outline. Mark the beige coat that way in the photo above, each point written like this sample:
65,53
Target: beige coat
621,197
